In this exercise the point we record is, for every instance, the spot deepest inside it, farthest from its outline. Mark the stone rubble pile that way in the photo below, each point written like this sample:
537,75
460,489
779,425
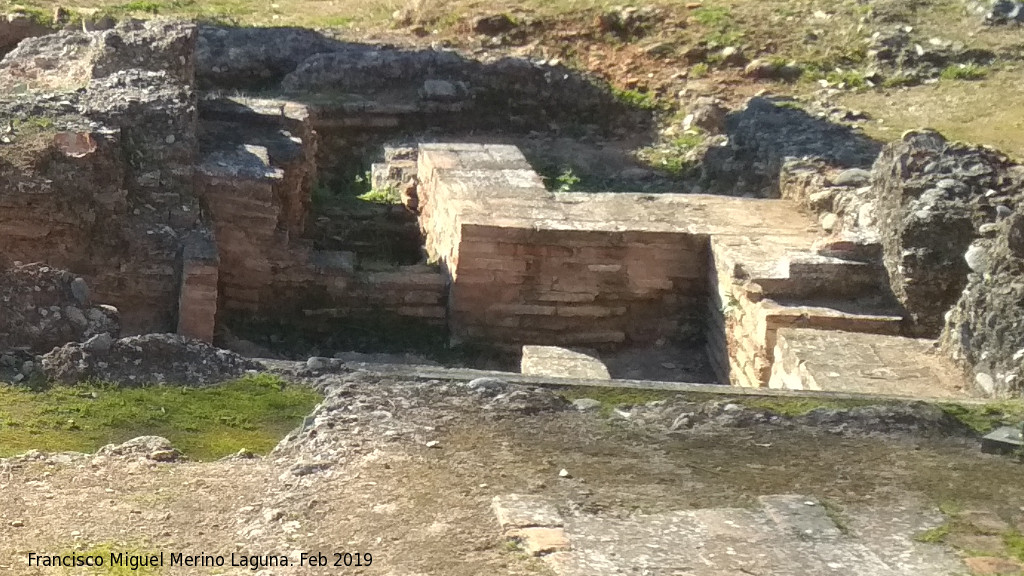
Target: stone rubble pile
897,56
504,93
144,360
932,199
42,307
110,192
985,329
678,415
360,404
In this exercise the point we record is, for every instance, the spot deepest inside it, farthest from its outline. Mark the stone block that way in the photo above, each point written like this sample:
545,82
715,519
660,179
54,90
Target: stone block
539,541
559,362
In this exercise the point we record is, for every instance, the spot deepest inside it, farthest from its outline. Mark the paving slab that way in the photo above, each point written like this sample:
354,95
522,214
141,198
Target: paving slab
785,535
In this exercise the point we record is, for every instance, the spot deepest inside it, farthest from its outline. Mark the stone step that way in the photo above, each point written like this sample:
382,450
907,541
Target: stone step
832,360
870,317
809,275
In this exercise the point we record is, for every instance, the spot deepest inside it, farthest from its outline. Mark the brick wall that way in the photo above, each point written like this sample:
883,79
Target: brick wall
520,285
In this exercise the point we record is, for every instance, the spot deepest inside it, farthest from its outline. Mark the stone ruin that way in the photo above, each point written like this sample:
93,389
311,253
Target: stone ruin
176,169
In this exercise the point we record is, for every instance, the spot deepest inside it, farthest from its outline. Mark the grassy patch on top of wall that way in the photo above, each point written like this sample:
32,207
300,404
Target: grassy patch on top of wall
254,412
983,418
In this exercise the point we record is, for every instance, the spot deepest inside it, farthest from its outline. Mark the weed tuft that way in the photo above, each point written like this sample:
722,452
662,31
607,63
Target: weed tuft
964,72
567,180
637,99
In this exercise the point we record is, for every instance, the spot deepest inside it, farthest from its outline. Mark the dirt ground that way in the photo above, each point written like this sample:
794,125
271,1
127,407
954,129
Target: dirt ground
418,497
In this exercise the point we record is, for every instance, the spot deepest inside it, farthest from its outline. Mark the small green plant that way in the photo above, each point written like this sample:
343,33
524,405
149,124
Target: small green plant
791,104
847,78
34,124
700,70
388,195
731,306
637,99
567,180
964,72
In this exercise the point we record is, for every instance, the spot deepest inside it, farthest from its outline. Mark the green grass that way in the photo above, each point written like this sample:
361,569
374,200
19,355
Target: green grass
964,72
847,78
139,6
713,16
794,407
836,513
721,25
983,418
1014,542
254,412
637,99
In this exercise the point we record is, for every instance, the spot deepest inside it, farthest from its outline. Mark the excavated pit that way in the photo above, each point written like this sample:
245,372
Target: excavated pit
325,197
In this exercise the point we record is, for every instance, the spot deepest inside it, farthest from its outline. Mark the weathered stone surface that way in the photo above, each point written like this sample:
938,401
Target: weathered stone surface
151,447
559,362
708,114
234,57
984,332
770,69
130,89
525,511
771,540
538,541
868,363
993,566
197,302
932,196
